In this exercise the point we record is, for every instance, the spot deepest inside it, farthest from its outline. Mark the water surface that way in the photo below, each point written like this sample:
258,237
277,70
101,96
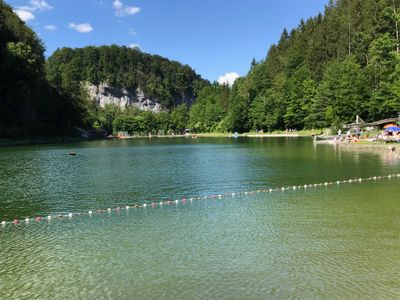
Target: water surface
334,242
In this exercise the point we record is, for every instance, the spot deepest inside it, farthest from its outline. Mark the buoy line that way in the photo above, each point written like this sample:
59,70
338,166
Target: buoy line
155,204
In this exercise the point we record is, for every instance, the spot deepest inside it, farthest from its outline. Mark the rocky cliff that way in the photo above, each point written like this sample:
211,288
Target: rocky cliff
125,77
104,94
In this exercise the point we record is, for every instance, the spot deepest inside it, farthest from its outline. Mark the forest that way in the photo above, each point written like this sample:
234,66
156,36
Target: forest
29,104
342,63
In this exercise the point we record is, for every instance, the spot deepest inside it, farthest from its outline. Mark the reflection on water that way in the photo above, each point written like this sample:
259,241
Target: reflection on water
335,242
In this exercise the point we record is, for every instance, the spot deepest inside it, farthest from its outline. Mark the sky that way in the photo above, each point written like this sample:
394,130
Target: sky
217,38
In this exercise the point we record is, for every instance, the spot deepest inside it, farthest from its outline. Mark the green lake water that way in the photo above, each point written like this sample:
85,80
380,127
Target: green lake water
335,242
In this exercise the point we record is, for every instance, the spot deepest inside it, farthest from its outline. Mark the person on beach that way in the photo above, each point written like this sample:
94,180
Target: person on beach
358,133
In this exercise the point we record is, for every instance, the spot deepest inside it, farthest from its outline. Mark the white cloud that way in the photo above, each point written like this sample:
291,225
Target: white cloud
228,78
124,10
131,10
117,4
40,5
24,15
84,27
134,46
50,27
26,12
35,5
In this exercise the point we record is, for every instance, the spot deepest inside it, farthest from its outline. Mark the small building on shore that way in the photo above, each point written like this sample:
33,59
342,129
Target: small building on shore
376,125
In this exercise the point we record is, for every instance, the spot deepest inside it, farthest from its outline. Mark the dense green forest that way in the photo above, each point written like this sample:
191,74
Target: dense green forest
342,63
175,85
29,104
47,98
169,81
323,73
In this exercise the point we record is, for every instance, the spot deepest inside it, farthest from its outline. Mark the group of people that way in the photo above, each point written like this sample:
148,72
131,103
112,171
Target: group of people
349,136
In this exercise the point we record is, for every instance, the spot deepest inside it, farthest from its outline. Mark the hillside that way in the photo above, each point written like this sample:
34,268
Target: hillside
339,64
125,77
29,105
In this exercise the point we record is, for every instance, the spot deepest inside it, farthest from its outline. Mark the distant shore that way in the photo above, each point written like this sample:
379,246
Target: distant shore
58,140
364,145
361,145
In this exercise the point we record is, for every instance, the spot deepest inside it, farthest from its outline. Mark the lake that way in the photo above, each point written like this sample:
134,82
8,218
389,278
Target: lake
340,241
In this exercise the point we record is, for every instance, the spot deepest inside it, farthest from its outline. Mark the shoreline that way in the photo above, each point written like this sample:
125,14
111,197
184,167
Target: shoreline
391,147
363,145
60,140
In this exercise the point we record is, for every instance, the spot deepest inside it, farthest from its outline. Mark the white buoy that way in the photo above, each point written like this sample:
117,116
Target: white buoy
4,223
233,194
326,184
390,176
144,205
176,201
191,199
245,193
27,220
161,203
270,190
305,186
49,218
70,215
109,210
219,196
294,188
360,180
127,207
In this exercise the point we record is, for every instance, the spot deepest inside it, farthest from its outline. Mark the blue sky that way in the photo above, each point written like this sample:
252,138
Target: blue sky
214,37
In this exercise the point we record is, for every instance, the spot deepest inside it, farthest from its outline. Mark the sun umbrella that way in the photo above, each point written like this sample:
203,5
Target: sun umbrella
389,125
393,129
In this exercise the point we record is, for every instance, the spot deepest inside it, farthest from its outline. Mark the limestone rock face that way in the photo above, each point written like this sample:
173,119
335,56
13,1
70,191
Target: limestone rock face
104,94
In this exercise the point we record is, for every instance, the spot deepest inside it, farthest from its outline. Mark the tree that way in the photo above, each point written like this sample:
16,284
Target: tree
180,118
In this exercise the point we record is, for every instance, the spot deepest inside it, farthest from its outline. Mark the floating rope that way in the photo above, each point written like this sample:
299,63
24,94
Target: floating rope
90,213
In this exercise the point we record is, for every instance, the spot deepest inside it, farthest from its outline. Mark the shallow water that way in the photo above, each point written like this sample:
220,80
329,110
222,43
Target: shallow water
331,242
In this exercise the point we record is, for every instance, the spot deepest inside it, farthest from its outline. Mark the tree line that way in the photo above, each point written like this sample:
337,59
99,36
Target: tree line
29,104
342,63
339,64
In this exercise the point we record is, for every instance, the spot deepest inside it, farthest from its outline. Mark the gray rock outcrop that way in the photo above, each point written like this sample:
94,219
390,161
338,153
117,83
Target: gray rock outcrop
104,94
